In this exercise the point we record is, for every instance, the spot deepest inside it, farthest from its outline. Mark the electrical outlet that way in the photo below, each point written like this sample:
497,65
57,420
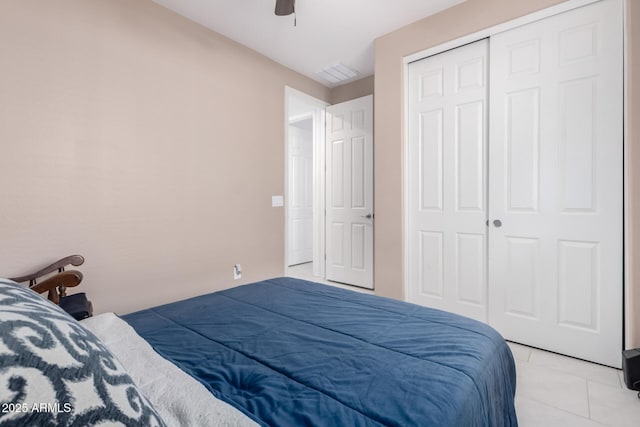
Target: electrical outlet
237,271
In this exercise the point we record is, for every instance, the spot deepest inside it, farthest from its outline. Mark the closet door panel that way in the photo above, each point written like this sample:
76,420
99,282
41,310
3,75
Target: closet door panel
447,184
469,158
556,155
430,168
522,150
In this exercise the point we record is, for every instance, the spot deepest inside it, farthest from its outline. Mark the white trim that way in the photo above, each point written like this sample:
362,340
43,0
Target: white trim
319,162
300,117
405,182
626,195
318,116
488,32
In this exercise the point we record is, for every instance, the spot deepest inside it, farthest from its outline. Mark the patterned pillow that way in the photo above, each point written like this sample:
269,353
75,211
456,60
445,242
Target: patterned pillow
53,372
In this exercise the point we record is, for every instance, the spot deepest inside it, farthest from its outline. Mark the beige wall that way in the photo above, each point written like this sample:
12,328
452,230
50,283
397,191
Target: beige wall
466,18
353,90
142,141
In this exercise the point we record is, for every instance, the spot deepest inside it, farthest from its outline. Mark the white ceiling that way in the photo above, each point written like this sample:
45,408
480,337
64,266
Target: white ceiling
327,31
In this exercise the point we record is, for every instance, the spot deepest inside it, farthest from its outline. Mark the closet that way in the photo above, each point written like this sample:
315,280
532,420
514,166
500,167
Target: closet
514,185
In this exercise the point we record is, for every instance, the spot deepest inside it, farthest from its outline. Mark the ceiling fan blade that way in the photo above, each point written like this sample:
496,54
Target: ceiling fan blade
285,7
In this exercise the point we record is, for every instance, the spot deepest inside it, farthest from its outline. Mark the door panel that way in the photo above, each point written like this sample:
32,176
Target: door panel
576,163
577,289
469,157
523,142
430,145
470,268
350,192
358,168
520,277
300,207
555,264
337,174
431,268
447,181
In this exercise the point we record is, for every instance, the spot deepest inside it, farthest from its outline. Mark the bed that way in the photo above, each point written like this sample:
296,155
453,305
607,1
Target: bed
287,352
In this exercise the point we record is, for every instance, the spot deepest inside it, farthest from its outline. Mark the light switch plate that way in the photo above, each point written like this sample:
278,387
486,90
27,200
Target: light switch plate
277,201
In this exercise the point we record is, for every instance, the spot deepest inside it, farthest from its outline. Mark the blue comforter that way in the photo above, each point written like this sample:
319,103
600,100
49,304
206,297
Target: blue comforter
288,352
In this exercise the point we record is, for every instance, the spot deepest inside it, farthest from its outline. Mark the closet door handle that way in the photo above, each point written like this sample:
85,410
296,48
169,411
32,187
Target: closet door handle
497,223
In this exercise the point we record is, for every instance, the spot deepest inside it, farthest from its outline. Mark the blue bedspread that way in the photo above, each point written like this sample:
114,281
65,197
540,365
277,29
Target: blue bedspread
289,352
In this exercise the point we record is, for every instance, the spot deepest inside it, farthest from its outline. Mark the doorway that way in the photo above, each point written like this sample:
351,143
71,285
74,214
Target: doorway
300,207
304,182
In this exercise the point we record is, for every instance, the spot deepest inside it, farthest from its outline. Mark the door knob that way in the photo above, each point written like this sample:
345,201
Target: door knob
497,223
368,216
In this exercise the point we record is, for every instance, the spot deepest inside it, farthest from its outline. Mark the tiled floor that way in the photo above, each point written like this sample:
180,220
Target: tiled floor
554,390
305,271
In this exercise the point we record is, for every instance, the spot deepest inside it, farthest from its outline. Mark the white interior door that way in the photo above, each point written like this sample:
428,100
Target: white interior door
447,181
349,192
300,205
552,276
556,157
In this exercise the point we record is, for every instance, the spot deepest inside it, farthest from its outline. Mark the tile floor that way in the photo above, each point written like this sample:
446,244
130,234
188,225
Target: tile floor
554,390
305,271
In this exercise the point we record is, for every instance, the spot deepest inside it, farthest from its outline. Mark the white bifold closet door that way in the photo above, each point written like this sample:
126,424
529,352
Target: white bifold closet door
542,261
556,157
447,181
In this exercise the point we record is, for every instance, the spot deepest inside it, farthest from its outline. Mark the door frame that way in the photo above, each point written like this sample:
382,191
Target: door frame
486,33
318,116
